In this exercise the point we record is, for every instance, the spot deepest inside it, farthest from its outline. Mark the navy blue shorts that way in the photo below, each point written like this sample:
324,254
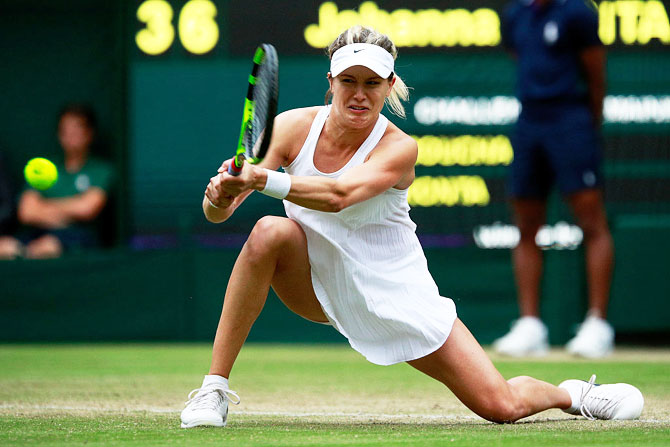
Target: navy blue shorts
554,145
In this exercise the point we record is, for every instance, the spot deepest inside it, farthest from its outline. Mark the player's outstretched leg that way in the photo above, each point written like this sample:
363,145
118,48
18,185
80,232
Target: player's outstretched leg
612,401
463,366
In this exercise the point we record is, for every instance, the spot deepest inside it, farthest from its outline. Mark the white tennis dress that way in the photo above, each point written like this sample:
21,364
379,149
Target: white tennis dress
368,268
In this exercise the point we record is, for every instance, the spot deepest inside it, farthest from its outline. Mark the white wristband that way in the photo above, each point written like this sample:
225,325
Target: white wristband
212,205
277,185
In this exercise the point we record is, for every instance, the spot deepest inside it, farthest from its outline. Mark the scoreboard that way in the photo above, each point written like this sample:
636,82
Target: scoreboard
188,66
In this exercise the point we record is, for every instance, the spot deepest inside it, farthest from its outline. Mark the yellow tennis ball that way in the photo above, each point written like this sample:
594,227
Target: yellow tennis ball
40,173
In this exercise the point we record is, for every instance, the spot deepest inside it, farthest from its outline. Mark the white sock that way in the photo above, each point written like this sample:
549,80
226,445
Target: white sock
532,318
213,379
594,313
576,397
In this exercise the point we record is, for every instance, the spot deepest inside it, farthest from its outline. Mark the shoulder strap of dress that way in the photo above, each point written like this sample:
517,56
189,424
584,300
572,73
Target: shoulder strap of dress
315,129
373,139
307,149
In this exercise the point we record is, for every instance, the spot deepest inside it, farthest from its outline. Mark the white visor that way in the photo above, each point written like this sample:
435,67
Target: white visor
368,55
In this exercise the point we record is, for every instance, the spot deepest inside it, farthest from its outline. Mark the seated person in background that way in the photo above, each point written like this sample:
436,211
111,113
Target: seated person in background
10,247
63,217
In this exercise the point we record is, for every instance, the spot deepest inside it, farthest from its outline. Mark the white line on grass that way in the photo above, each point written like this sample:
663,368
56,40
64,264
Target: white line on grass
243,413
431,417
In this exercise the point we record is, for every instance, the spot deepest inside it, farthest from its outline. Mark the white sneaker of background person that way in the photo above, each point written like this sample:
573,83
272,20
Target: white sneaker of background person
593,401
208,405
595,338
527,337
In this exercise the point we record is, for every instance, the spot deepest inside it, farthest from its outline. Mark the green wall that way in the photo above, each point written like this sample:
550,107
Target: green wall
177,294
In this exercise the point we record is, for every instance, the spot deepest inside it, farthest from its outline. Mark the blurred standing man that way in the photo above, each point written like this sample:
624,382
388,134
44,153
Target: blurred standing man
561,86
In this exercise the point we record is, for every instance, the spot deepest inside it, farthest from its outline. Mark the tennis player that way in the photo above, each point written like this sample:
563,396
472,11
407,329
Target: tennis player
347,254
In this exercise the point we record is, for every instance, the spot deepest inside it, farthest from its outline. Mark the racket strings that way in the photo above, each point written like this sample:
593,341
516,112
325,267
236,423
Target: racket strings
262,94
265,103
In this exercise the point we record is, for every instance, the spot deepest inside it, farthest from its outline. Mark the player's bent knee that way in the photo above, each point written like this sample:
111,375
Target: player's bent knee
501,408
270,234
503,412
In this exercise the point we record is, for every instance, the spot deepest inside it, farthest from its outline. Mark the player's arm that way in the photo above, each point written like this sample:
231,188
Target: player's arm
217,205
391,164
593,60
219,202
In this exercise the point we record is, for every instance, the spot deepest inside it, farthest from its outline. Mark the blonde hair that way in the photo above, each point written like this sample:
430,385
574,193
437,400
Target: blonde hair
360,34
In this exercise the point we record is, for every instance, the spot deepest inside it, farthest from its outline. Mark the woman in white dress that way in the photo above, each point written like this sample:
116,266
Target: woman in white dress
347,254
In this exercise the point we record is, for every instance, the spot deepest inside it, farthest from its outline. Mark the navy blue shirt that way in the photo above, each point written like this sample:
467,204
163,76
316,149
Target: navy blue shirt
547,41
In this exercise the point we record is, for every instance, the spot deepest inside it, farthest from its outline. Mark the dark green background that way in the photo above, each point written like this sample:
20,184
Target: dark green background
168,121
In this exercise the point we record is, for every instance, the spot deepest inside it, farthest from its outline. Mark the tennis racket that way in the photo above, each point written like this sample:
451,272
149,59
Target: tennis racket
260,108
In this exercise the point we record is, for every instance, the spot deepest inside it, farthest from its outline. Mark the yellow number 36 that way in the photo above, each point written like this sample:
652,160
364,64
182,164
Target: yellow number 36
198,32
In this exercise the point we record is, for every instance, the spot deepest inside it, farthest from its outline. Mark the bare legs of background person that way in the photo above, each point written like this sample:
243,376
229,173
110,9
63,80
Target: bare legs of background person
595,337
528,336
10,248
463,366
530,215
589,211
45,247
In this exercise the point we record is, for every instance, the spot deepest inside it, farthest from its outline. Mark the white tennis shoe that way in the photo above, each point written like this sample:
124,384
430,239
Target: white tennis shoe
209,406
614,401
527,337
594,339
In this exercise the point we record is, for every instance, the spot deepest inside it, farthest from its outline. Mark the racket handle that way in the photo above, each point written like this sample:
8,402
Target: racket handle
235,168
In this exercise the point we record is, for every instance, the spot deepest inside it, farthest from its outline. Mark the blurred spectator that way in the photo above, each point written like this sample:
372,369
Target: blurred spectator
64,217
10,247
561,85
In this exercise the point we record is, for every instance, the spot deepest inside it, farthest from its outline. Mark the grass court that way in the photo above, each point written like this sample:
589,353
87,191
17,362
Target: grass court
296,395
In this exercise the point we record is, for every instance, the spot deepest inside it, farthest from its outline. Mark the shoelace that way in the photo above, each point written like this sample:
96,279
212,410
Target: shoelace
597,405
211,397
